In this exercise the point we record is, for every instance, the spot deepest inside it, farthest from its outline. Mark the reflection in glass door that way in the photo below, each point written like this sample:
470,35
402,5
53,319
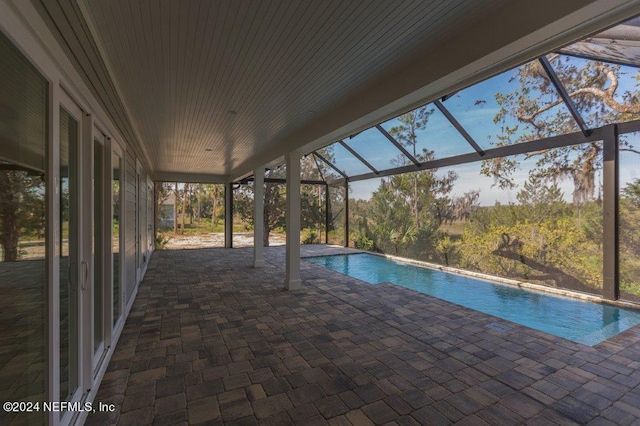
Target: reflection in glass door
116,164
69,256
24,234
97,245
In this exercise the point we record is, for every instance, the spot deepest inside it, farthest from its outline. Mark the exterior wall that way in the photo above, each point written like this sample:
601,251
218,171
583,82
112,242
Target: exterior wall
130,225
142,211
130,234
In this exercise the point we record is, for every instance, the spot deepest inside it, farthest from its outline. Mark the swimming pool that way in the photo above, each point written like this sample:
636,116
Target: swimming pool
576,320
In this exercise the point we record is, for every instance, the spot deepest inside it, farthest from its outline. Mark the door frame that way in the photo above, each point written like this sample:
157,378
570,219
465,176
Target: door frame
64,101
99,250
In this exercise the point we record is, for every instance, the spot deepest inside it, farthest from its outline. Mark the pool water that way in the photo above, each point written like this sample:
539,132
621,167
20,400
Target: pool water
583,322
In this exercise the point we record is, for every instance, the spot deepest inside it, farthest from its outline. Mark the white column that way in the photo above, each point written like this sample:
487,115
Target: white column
258,217
293,222
228,215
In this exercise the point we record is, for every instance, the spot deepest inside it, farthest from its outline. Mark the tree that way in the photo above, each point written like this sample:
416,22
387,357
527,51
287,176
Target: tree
176,196
311,199
630,238
216,192
21,209
401,217
185,197
407,134
532,111
162,192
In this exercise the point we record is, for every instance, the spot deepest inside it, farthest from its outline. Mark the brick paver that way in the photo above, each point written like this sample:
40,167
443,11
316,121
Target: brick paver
210,339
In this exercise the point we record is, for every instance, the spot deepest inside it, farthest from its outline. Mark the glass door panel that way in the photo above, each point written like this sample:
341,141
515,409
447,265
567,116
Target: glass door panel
24,235
69,256
97,250
116,164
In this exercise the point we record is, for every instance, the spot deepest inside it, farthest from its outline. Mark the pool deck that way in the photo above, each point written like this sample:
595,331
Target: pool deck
212,340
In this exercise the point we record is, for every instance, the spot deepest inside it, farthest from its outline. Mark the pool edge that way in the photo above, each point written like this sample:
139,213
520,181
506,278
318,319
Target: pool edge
572,294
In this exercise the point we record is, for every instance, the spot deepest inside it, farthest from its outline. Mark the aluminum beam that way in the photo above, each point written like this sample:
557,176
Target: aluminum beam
458,127
564,95
358,156
282,180
315,160
346,213
503,151
610,281
326,214
330,164
398,145
228,215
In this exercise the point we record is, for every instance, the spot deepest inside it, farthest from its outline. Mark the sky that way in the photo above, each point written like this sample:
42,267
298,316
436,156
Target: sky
475,109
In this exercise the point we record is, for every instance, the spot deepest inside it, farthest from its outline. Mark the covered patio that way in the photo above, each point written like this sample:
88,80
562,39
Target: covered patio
495,137
212,340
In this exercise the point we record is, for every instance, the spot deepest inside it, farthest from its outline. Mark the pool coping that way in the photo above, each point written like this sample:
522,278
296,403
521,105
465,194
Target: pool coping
618,339
572,294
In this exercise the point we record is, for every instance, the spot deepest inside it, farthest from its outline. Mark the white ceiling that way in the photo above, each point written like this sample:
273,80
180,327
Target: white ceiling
219,87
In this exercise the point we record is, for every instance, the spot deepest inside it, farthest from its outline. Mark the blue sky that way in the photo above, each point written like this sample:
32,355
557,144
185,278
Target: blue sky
478,119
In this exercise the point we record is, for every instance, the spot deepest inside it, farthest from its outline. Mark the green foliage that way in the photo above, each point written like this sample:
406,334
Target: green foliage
629,238
309,236
448,248
540,238
363,242
160,241
22,210
533,111
312,201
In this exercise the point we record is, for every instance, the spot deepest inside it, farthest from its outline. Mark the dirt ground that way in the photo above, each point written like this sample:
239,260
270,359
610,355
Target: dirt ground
29,250
216,239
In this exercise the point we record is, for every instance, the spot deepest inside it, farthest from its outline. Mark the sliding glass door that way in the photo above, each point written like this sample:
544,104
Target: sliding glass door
73,268
97,246
117,229
24,234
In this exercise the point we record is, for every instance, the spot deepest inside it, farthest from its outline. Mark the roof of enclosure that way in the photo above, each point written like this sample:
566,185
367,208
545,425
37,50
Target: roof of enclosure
464,127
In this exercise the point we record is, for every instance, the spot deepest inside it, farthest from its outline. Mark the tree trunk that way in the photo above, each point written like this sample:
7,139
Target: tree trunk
214,207
199,202
175,209
268,188
184,207
9,235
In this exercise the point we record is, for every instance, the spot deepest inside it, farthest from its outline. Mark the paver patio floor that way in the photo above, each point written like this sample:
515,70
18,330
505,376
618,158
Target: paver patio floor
212,340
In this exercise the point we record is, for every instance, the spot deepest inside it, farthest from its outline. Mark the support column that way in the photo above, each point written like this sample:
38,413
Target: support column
326,214
228,215
346,213
258,217
293,281
610,282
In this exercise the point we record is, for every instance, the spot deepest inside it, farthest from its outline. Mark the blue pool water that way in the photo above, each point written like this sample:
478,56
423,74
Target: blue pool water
582,322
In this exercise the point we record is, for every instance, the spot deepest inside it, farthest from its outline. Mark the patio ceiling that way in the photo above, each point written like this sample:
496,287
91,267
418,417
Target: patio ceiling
210,90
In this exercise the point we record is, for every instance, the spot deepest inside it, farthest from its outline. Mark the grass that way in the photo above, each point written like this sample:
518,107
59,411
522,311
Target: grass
453,229
203,226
